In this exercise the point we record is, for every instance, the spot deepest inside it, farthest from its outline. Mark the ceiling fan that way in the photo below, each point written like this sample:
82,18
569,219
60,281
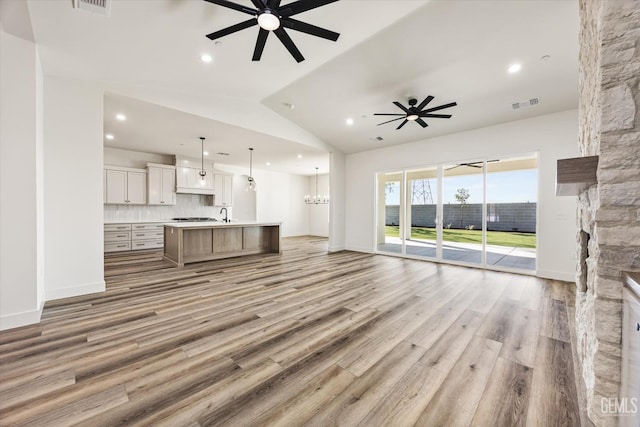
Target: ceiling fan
471,164
416,114
270,16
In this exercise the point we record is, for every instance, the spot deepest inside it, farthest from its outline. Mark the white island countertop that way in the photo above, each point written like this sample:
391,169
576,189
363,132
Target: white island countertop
208,224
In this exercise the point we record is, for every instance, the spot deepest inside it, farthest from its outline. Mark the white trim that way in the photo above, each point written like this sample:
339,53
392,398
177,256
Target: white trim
15,320
91,288
557,275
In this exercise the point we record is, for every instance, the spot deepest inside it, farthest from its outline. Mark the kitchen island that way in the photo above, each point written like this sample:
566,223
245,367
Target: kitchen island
189,242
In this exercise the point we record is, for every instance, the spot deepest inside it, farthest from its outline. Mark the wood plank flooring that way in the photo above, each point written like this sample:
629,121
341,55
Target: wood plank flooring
302,338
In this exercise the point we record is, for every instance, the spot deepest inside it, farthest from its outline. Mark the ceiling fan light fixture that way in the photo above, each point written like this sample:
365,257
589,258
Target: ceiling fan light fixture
268,21
413,117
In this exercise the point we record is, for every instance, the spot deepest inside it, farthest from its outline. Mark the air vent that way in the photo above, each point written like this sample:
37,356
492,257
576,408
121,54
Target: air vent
102,7
524,104
376,138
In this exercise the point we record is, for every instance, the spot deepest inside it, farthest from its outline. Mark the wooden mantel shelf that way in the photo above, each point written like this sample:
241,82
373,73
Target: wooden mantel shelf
575,175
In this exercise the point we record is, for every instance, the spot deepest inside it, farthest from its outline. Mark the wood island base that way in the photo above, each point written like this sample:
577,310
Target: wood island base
196,242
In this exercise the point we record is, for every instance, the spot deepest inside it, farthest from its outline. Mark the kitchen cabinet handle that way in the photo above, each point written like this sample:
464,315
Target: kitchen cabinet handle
161,201
122,246
121,235
139,235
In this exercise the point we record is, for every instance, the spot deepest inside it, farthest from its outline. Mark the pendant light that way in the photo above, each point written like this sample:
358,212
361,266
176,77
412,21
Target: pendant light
316,199
202,172
251,184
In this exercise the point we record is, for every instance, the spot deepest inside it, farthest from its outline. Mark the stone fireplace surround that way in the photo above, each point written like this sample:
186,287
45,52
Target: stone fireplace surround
608,213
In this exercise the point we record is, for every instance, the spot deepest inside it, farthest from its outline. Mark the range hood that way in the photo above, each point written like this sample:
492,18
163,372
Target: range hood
576,175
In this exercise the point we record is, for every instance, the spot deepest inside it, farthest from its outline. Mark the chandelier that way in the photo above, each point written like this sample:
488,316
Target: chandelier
317,199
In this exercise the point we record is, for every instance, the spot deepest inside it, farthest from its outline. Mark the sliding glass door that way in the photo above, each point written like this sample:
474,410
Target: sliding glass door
479,212
463,193
421,214
390,212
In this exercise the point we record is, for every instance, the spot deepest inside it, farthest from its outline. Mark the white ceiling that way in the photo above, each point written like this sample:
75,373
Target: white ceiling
455,50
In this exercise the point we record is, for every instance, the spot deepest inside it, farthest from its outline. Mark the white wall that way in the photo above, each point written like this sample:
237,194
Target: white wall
21,236
318,214
337,207
134,159
554,136
73,163
280,197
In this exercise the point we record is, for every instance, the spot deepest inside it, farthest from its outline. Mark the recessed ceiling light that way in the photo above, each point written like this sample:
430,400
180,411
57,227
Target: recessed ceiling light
206,153
349,121
514,68
121,117
289,105
268,163
206,58
299,156
108,136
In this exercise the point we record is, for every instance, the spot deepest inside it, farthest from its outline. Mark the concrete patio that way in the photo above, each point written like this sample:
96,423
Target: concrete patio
502,256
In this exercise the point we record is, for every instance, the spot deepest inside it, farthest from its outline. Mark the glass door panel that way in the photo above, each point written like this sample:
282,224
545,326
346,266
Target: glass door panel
511,213
422,203
390,213
463,198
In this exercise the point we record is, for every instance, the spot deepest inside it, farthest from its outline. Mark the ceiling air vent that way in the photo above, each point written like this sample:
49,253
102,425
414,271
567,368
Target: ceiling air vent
376,138
524,104
102,7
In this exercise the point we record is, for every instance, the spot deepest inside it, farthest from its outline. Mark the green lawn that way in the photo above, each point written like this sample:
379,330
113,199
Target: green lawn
500,238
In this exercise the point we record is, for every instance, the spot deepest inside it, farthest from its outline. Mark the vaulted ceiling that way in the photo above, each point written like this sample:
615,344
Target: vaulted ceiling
146,55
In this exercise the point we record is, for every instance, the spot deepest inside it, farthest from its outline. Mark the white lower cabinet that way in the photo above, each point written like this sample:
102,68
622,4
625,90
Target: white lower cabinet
131,237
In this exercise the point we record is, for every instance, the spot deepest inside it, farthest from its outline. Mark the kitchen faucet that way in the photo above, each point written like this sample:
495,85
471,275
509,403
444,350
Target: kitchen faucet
226,215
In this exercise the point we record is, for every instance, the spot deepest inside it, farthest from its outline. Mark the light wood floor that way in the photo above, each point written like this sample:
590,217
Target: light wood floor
302,338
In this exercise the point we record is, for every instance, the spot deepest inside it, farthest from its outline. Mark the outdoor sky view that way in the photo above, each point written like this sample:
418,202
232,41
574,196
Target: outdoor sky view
502,187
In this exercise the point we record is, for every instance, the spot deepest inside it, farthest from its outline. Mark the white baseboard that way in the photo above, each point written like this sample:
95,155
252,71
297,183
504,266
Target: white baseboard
15,320
557,275
336,248
74,291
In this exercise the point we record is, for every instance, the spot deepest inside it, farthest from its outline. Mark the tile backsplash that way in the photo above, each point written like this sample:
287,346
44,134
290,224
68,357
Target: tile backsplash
187,205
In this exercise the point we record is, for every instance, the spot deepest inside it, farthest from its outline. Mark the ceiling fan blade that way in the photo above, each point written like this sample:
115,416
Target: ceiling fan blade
260,42
402,124
441,107
288,43
389,114
402,107
232,29
424,103
392,120
273,4
234,6
259,4
436,116
422,123
452,167
303,27
302,6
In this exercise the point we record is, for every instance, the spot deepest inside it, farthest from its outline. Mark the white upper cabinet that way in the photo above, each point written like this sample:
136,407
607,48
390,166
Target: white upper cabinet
161,180
125,186
223,189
